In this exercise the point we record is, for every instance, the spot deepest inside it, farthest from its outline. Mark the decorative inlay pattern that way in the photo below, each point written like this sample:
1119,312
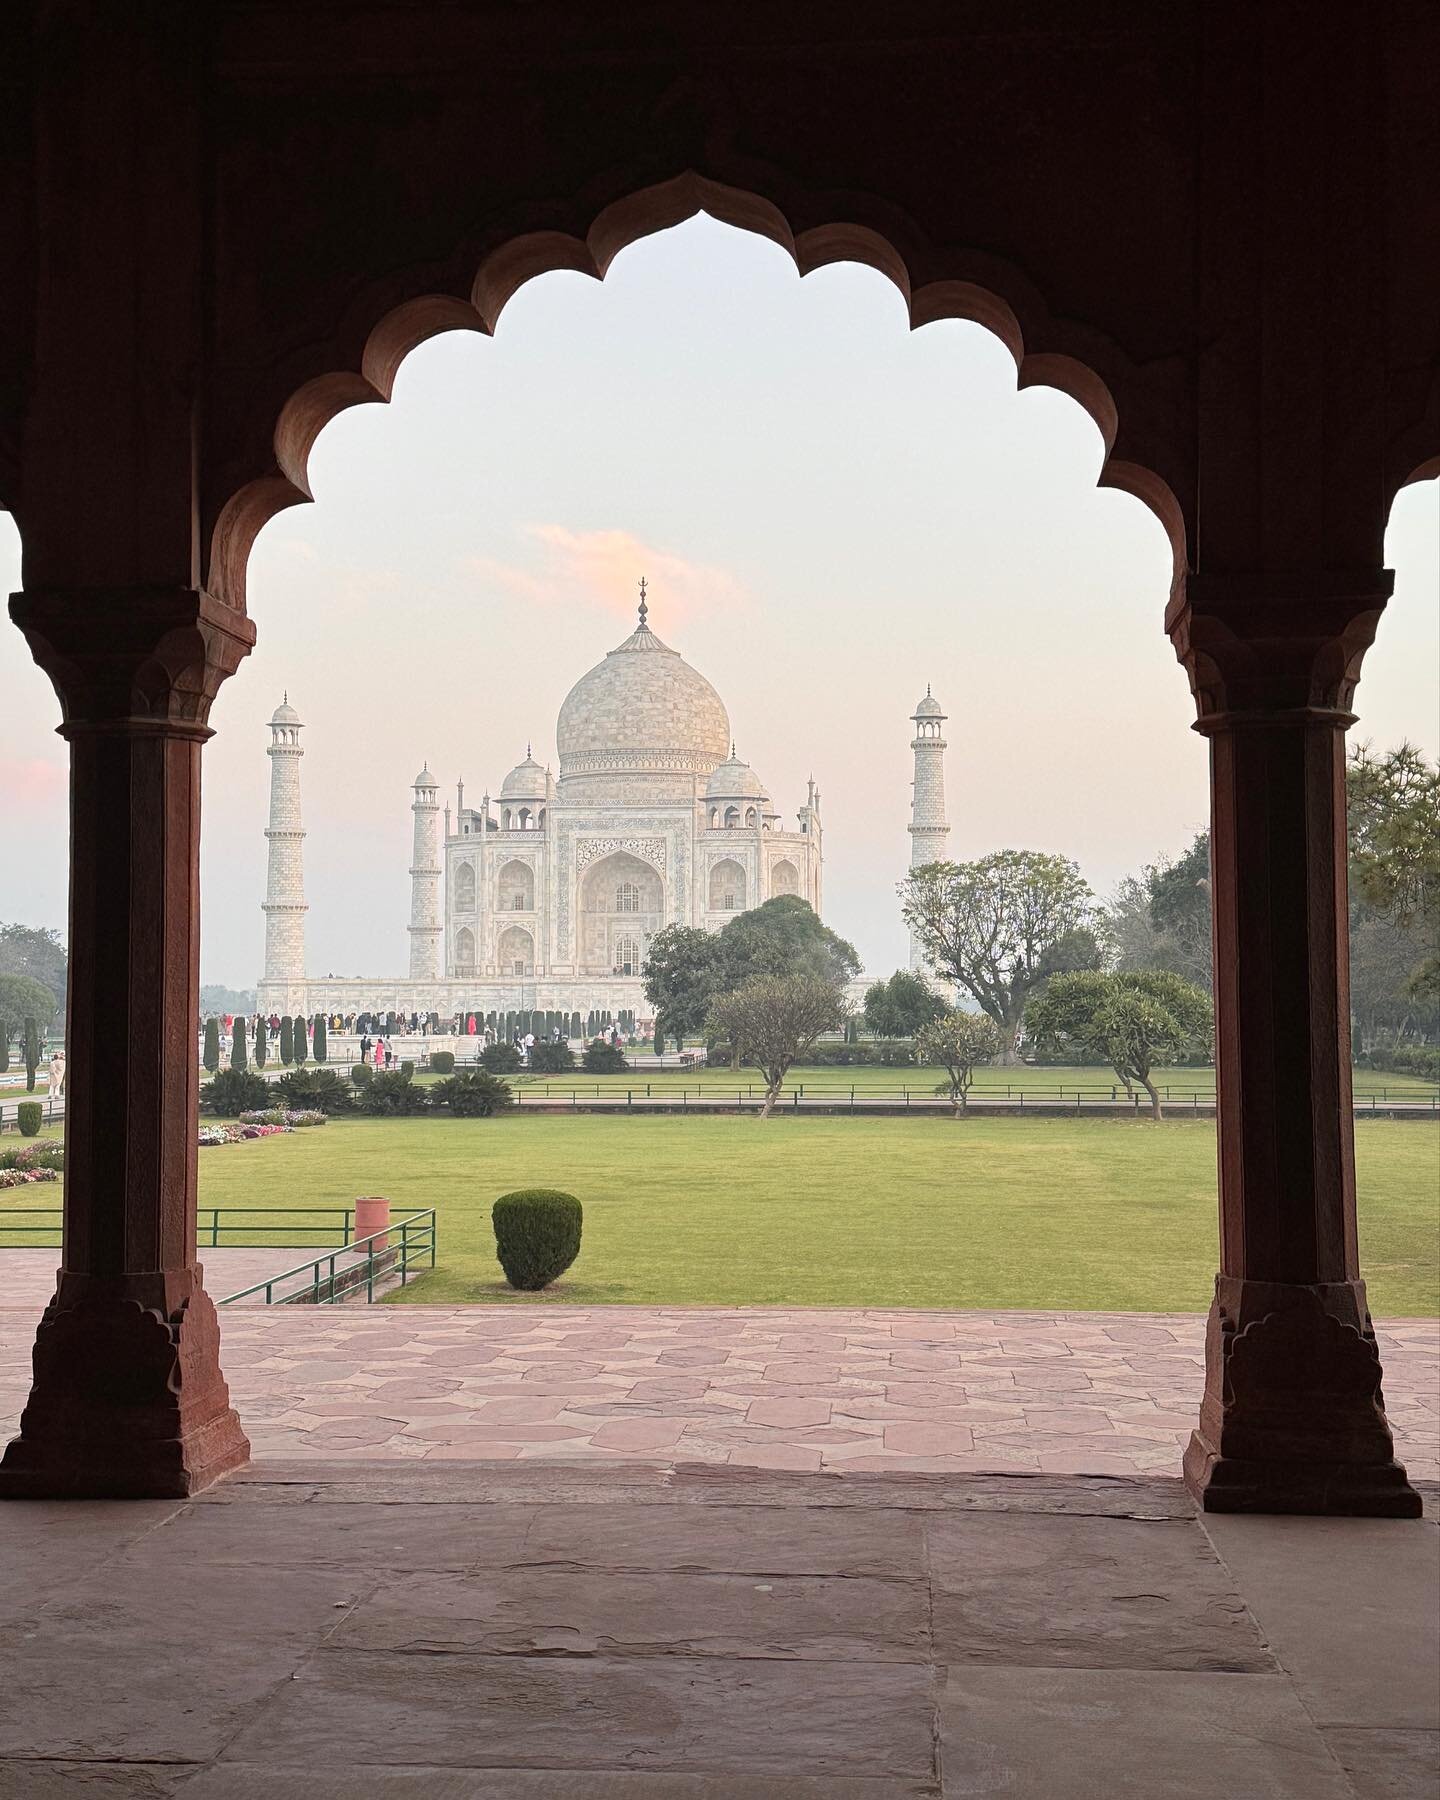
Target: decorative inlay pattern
651,850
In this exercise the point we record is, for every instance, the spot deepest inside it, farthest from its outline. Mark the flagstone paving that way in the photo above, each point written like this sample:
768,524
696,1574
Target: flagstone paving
1087,1393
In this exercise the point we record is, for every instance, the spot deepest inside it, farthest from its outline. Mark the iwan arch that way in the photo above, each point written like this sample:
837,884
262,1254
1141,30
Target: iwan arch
1214,225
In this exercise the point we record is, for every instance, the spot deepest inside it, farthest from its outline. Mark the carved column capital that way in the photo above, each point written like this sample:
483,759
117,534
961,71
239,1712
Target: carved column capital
133,659
1276,648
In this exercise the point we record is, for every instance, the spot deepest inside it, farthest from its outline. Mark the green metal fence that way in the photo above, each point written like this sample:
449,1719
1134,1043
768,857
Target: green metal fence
385,1258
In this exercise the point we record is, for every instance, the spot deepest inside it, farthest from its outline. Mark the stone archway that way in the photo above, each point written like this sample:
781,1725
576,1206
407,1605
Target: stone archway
621,897
515,951
784,877
515,887
727,886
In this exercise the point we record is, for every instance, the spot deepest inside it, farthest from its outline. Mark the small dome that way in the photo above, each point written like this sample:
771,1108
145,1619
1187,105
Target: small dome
425,778
285,714
929,708
734,780
526,781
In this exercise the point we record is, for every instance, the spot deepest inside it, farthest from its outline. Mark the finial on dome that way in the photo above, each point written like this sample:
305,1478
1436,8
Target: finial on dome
644,609
732,749
284,696
927,690
527,749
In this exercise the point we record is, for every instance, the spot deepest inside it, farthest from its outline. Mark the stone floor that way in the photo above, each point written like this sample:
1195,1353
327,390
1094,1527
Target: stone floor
866,1392
460,1631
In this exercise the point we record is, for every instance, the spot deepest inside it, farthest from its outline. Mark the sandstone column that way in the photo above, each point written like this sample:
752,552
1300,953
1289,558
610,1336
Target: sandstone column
128,1398
1293,1416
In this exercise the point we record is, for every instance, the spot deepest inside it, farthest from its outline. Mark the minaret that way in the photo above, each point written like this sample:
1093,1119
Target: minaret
426,929
929,828
284,905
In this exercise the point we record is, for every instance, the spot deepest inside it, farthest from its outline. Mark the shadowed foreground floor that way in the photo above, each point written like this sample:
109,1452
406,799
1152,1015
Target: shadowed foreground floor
485,1631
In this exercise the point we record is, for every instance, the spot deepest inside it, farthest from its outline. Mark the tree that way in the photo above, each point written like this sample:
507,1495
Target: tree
39,954
262,1044
238,1058
299,1044
682,973
956,1042
900,1006
774,1021
989,926
1136,1020
287,1050
32,1054
319,1042
1394,840
1160,919
211,1057
21,998
784,936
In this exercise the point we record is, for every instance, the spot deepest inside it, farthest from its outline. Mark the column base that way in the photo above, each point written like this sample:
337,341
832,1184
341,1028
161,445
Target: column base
128,1401
1293,1419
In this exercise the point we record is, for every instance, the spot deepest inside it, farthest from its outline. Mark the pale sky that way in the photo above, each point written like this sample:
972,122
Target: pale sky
832,511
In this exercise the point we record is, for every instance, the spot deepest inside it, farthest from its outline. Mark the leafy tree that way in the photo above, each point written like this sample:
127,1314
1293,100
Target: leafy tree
1160,919
604,1059
234,1091
552,1059
682,972
314,1090
784,936
774,1020
990,926
472,1094
957,1041
211,1057
38,954
1394,831
238,1058
262,1044
900,1006
32,1054
391,1095
220,1000
1136,1020
21,998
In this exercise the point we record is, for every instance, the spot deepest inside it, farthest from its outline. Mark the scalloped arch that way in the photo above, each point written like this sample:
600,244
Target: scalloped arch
1078,360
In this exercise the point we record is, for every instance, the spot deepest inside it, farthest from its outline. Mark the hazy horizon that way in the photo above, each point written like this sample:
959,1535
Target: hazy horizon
832,512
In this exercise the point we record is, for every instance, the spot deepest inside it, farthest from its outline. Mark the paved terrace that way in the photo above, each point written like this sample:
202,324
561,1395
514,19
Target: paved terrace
803,1391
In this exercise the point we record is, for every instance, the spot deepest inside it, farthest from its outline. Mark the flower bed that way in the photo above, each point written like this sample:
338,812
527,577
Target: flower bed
11,1178
32,1156
237,1134
279,1115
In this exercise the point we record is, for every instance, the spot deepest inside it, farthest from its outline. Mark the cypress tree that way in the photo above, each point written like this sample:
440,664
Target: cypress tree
238,1058
318,1045
262,1043
4,1045
212,1046
287,1043
32,1054
299,1043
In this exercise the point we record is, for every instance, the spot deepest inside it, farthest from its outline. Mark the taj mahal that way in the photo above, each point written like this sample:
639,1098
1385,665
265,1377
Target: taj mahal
547,894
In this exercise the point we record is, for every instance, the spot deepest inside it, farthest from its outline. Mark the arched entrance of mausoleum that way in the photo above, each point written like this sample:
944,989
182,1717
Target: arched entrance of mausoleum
621,906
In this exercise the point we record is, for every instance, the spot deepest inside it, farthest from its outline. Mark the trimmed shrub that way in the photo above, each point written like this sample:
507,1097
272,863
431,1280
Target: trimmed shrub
473,1094
30,1113
287,1050
234,1091
211,1057
552,1059
442,1062
391,1095
314,1090
262,1044
537,1235
318,1047
604,1059
299,1042
31,1041
238,1058
362,1074
500,1059
407,1069
1404,1059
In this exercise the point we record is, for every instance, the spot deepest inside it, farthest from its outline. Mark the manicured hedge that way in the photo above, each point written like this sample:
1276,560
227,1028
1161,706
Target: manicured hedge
537,1235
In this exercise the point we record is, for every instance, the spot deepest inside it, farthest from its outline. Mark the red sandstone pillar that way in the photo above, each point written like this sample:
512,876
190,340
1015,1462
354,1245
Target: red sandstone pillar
1293,1418
128,1399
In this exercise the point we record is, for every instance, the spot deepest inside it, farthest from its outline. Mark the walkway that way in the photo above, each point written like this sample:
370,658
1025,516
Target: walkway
512,1632
860,1392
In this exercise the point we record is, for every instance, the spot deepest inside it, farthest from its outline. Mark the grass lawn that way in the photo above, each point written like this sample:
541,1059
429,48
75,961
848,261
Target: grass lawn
722,1210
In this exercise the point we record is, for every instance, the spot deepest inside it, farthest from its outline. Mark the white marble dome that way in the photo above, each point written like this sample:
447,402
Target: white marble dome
526,781
642,709
734,780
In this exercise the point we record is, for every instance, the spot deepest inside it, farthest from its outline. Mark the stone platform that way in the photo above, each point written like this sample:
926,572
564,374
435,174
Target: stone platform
308,1631
762,1388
